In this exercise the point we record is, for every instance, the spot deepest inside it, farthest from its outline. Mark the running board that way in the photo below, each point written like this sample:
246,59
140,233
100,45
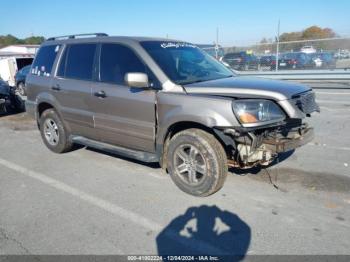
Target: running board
125,152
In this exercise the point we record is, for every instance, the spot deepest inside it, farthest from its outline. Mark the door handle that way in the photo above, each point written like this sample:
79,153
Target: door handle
101,94
56,88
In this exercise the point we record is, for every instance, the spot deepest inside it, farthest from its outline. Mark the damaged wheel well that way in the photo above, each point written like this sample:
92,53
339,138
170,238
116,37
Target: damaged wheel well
181,126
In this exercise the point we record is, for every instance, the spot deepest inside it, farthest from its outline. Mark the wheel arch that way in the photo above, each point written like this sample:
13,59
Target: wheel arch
42,106
46,101
163,143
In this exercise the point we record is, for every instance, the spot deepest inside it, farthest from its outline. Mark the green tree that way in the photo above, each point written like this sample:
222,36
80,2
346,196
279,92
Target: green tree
9,40
6,40
34,40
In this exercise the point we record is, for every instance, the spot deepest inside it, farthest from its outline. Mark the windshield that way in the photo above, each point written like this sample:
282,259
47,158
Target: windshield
185,63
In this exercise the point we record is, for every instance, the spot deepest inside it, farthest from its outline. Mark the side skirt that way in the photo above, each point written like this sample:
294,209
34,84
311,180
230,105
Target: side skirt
124,152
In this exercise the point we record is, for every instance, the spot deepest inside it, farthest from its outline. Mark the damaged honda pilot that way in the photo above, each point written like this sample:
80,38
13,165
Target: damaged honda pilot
157,100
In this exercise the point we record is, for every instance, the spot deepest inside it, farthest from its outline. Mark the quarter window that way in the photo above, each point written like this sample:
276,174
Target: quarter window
117,60
80,62
44,60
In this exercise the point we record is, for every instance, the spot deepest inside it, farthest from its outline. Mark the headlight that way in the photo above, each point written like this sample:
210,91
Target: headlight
256,111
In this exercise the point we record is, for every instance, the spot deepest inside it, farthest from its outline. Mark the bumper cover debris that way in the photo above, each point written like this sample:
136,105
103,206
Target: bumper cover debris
294,140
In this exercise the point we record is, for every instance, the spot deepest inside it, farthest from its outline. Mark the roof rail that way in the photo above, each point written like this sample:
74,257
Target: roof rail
74,36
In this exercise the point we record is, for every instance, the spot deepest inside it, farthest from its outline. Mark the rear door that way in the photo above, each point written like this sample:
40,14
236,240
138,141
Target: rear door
72,87
123,115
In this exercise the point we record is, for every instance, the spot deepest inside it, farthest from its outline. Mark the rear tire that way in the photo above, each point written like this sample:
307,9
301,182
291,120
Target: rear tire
53,132
197,162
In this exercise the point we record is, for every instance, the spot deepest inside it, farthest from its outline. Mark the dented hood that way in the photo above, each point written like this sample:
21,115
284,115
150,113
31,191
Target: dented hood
248,87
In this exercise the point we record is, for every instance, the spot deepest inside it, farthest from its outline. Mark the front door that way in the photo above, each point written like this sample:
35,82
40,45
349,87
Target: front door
123,115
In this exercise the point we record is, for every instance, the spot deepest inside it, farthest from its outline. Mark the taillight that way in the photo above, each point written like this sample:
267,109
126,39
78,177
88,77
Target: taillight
273,62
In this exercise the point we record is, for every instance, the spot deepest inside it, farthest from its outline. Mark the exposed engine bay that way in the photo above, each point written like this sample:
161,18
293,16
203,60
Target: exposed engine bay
262,146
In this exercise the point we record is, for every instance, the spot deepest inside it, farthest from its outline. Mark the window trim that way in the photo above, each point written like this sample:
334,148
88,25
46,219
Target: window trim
65,46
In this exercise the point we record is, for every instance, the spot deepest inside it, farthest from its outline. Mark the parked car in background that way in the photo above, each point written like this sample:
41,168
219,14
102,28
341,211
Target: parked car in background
324,60
20,80
316,60
296,60
9,66
241,61
9,101
342,54
308,49
267,61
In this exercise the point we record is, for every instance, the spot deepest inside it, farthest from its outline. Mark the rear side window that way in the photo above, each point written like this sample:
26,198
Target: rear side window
44,60
117,60
78,61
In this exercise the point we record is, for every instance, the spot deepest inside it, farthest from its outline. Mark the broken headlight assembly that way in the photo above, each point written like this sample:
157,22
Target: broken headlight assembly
256,112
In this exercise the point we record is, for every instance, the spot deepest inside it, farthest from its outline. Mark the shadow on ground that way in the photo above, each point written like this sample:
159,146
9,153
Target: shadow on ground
116,155
205,230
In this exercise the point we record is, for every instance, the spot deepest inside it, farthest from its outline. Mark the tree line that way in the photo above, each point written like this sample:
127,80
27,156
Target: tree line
310,33
6,40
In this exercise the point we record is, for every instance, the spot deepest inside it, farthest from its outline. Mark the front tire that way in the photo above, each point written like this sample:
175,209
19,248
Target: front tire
197,162
53,132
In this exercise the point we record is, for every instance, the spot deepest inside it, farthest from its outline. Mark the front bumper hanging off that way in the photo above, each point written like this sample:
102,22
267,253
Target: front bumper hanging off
295,139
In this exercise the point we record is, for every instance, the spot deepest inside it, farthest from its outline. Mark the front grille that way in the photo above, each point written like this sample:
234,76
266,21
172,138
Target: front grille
307,103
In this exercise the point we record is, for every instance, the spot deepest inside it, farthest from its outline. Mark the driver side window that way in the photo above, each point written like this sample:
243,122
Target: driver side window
116,60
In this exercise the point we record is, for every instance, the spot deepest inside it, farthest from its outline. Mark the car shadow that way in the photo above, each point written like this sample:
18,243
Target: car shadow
236,171
154,165
9,113
208,231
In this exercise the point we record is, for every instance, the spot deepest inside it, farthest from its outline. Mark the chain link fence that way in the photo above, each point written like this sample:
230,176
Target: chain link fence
326,54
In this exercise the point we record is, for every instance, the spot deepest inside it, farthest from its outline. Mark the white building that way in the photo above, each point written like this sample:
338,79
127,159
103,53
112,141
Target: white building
19,50
14,58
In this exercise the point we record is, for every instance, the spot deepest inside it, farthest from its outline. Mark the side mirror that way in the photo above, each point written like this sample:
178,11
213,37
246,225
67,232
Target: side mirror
138,80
